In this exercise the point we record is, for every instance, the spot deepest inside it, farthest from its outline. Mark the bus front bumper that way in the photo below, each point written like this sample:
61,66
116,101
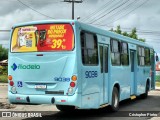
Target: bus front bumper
44,99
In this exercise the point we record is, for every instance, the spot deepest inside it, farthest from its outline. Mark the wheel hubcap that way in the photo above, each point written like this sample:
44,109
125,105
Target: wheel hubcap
115,100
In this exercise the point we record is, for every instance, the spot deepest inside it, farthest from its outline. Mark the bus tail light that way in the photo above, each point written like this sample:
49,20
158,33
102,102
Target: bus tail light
11,83
13,89
70,90
10,77
74,78
72,84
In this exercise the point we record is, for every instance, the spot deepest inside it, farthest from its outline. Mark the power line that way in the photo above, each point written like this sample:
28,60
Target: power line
130,11
34,9
5,30
104,10
4,44
122,10
98,10
129,29
111,8
110,11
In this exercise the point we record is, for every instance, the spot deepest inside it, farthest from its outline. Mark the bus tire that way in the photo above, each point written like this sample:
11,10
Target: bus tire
65,108
145,95
115,100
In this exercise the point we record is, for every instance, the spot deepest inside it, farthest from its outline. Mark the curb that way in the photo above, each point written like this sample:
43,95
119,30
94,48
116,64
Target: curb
157,89
5,84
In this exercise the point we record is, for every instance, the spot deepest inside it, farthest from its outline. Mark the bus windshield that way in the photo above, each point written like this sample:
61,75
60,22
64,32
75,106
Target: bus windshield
44,37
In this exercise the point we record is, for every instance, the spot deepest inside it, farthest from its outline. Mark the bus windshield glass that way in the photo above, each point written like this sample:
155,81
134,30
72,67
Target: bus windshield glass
44,37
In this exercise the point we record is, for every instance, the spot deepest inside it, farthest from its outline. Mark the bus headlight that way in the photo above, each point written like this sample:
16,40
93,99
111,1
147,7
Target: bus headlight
13,89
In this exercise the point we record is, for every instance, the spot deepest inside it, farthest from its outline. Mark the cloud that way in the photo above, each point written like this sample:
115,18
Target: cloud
13,12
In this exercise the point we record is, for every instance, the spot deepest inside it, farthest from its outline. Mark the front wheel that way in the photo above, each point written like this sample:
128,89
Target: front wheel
65,108
115,100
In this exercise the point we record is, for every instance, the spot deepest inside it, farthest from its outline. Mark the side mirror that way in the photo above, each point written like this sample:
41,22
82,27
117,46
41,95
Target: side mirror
157,58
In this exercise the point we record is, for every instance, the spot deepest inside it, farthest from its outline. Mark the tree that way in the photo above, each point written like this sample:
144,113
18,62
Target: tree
3,53
119,29
133,33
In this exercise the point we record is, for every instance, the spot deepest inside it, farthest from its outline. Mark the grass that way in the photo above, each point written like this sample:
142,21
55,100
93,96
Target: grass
158,84
3,78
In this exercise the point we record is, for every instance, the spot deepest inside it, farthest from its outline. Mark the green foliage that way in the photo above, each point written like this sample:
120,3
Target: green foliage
158,84
3,74
3,79
133,33
3,53
158,78
4,70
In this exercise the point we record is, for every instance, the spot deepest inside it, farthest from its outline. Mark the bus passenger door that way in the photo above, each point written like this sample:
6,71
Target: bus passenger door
103,51
133,75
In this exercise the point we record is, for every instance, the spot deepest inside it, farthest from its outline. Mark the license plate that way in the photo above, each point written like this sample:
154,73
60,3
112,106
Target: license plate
40,86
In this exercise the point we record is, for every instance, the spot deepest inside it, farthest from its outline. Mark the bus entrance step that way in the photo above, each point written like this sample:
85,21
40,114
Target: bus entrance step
103,105
133,97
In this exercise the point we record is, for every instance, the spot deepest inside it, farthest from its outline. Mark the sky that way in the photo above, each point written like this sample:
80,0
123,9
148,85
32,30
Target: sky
142,14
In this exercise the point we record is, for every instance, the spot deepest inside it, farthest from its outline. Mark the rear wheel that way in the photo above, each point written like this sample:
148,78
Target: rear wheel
115,100
145,95
65,108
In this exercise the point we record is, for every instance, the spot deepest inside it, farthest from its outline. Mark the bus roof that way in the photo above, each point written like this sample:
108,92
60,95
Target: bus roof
89,28
113,35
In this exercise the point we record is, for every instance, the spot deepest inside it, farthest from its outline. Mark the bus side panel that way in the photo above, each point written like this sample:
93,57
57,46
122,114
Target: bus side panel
122,75
90,87
90,101
147,75
140,80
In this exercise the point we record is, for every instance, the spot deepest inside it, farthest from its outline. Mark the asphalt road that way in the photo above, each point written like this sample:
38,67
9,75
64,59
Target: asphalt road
127,107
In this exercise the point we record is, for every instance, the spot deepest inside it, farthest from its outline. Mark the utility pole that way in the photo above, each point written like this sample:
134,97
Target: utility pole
73,1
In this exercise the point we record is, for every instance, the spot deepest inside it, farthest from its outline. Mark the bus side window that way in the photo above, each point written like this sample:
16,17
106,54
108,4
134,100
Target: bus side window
115,52
89,48
141,56
124,53
147,57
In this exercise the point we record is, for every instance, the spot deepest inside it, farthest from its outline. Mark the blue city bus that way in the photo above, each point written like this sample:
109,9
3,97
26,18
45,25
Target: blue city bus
76,66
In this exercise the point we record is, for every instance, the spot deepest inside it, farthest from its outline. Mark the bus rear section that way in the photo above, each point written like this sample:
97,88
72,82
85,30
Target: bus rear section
42,65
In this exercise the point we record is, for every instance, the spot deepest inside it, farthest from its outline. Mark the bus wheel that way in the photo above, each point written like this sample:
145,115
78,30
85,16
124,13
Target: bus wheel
65,108
145,95
115,100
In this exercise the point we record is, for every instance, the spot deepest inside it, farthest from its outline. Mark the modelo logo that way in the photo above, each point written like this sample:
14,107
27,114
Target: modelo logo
21,66
91,74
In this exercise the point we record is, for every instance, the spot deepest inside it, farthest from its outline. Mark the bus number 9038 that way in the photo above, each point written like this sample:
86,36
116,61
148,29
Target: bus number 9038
91,74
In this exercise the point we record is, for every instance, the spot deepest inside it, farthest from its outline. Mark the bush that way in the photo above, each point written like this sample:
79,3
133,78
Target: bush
3,74
3,70
3,79
157,78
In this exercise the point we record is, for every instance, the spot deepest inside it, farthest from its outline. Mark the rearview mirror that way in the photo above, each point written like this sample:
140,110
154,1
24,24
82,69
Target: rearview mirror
157,59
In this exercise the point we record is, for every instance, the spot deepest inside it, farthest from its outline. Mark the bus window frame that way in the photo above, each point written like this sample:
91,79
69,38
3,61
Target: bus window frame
94,35
138,56
122,53
119,50
146,48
